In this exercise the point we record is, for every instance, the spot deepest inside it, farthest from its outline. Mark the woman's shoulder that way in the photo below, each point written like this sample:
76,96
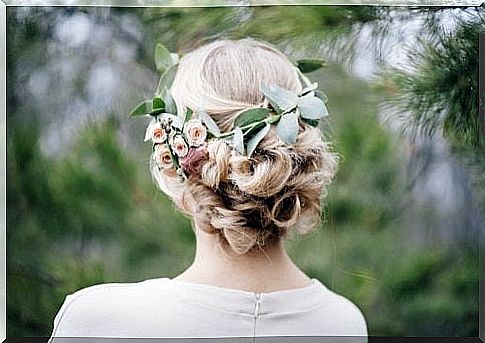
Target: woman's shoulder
101,293
137,309
345,313
95,306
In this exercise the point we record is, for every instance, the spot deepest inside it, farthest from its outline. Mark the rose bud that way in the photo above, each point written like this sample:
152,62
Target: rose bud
162,156
155,132
190,163
195,132
179,146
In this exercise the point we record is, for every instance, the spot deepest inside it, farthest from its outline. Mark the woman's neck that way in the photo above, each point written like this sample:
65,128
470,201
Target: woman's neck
267,270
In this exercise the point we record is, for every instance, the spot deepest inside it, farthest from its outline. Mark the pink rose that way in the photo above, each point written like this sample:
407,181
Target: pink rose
179,146
195,132
162,156
190,163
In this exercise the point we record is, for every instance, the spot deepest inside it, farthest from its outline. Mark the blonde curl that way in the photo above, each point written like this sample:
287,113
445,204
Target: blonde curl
247,202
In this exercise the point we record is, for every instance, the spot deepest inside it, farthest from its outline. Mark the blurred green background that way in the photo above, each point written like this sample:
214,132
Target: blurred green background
401,224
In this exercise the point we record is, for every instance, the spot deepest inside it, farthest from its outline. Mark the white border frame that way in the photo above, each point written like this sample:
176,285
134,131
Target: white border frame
135,3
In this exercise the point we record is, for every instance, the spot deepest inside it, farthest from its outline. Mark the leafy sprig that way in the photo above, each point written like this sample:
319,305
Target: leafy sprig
251,125
162,102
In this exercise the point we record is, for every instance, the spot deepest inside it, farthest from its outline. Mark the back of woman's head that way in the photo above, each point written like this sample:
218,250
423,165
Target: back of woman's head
248,202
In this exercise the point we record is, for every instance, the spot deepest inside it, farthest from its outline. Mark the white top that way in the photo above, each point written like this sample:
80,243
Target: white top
170,308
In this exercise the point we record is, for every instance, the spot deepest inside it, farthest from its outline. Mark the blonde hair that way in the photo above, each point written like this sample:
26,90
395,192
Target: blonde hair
247,202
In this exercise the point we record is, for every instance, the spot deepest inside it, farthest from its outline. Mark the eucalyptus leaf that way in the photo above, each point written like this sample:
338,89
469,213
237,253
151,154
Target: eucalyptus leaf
163,58
149,130
142,108
279,98
156,112
229,139
250,116
287,128
158,104
170,105
321,95
309,65
273,119
312,107
311,122
238,140
175,57
253,130
188,114
309,89
209,123
254,141
166,80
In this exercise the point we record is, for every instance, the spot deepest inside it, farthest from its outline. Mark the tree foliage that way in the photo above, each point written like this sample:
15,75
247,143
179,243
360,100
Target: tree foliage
439,89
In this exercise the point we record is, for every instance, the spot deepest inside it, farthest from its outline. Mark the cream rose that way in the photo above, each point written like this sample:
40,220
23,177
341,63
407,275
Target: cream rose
195,132
179,146
155,132
162,156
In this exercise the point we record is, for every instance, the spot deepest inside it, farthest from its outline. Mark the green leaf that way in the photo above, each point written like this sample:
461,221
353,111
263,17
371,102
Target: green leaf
156,112
142,108
254,141
273,119
170,105
238,140
279,98
209,123
321,95
175,57
166,80
287,128
229,139
311,122
163,59
312,107
188,115
309,65
158,104
309,89
253,129
250,116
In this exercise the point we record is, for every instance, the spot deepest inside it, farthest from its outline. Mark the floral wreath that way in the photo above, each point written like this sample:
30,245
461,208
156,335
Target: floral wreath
179,139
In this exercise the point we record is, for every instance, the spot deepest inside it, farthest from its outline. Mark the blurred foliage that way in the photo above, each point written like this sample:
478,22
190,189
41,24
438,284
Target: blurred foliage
364,251
180,32
437,88
93,214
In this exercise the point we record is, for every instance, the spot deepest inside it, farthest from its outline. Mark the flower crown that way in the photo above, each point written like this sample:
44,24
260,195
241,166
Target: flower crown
179,139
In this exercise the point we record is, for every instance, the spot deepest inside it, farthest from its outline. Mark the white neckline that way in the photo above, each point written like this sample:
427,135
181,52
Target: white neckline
314,284
242,302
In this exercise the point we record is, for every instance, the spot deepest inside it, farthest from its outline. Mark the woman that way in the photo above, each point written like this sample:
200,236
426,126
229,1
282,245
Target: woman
242,283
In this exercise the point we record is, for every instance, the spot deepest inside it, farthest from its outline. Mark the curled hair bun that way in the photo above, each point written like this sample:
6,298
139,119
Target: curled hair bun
248,202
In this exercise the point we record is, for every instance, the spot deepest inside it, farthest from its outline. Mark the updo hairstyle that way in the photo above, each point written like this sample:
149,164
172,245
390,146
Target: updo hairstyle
247,202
